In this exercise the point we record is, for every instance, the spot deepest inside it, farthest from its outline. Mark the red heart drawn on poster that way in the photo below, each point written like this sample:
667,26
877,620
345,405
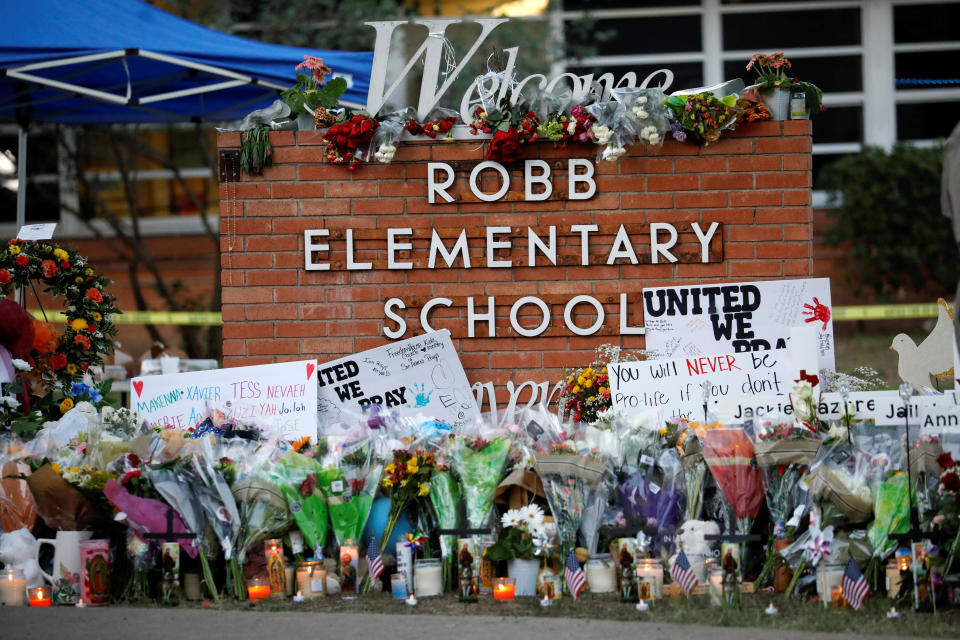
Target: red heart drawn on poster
138,387
310,367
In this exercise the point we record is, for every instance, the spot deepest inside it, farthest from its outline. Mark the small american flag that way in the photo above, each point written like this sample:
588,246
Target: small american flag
374,563
573,574
683,575
854,585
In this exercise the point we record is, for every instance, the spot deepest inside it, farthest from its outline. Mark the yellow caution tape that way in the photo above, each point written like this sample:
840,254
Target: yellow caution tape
201,318
212,318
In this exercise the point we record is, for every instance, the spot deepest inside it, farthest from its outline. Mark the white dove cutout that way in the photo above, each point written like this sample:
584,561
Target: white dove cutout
922,365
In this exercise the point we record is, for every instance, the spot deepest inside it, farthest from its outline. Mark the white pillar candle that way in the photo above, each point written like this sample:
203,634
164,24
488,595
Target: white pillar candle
829,575
405,563
428,578
601,574
13,588
716,586
650,571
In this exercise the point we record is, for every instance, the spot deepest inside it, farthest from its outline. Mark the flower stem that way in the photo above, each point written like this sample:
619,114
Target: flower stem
208,577
796,576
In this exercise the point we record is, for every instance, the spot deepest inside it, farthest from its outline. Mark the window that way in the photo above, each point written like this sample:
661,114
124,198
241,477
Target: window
926,22
926,121
784,29
43,188
632,36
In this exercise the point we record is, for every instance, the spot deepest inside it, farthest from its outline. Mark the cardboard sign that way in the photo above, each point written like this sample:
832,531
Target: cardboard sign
281,399
675,385
738,317
417,376
885,408
37,231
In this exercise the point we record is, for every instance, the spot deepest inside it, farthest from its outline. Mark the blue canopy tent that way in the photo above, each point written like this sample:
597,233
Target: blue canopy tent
125,61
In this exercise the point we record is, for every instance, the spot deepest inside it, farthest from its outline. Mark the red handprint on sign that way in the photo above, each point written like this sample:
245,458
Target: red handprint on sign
817,313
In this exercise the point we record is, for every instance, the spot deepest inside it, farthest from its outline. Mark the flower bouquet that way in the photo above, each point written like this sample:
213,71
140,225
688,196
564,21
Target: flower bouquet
388,134
891,508
948,516
840,479
210,476
702,116
651,495
729,455
296,475
445,498
348,142
312,93
405,481
479,463
440,122
688,445
512,127
613,130
586,394
645,107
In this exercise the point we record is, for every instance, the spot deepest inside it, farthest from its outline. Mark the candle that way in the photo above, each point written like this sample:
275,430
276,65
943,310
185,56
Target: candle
716,586
290,579
601,573
894,578
649,579
276,569
836,597
428,577
698,564
411,601
398,586
258,589
13,588
893,613
191,586
311,579
504,588
349,563
771,610
829,575
405,564
546,601
299,597
642,605
39,597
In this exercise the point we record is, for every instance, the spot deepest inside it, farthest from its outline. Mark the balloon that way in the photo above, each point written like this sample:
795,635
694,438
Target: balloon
378,521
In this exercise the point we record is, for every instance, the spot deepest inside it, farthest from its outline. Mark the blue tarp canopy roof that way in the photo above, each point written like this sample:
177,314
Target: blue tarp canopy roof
114,61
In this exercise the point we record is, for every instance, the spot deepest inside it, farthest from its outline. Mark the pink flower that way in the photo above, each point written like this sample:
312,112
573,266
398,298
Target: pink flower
938,519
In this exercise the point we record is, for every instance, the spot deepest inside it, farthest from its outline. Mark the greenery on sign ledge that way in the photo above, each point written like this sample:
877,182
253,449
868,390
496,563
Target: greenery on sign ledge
889,214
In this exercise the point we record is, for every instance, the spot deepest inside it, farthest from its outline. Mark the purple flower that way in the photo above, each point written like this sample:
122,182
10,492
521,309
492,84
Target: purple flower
678,132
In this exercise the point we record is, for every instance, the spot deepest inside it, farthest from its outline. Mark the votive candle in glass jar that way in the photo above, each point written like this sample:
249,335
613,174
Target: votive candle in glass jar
894,578
829,575
13,588
39,596
504,588
398,586
311,579
258,589
276,569
649,579
428,577
716,586
601,573
349,563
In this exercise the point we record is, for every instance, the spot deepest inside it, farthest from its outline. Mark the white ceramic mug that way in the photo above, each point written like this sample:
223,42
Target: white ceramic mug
66,565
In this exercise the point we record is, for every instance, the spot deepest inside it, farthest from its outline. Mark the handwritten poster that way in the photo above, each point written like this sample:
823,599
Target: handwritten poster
738,317
280,399
675,385
417,376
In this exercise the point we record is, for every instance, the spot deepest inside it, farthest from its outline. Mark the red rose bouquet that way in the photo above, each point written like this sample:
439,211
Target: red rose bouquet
729,454
511,125
347,142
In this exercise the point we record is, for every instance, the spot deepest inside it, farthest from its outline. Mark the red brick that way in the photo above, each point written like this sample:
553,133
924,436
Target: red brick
726,181
647,201
797,268
226,139
272,174
755,269
729,145
784,250
354,328
323,208
728,216
646,166
759,129
292,155
342,189
765,233
797,198
326,346
783,214
783,145
246,296
515,360
311,137
378,207
717,270
271,208
283,138
797,232
754,163
272,347
699,165
797,128
698,200
273,243
248,330
783,180
672,183
755,198
797,163
321,171
272,312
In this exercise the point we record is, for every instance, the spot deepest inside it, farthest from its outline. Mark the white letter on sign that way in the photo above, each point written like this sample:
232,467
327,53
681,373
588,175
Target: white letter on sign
351,265
433,46
393,246
622,248
427,308
504,177
493,245
433,188
568,315
393,334
529,180
573,178
658,248
309,246
489,316
514,310
436,245
705,239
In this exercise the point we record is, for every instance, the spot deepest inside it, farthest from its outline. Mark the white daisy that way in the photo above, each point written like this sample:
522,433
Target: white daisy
510,519
532,514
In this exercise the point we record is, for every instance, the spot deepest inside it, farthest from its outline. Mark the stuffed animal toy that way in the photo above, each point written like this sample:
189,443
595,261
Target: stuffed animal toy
18,550
691,537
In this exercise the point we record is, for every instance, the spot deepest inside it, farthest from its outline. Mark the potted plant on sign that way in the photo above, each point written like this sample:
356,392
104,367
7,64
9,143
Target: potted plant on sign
776,86
312,94
517,547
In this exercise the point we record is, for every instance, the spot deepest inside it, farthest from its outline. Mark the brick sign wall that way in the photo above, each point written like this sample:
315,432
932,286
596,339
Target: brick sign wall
755,184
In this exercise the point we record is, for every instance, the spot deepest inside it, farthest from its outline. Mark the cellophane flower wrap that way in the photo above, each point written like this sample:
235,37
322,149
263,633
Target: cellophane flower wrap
479,463
840,480
387,136
613,130
569,474
445,497
645,107
702,116
296,475
891,509
17,508
262,507
947,519
729,455
784,448
350,487
598,440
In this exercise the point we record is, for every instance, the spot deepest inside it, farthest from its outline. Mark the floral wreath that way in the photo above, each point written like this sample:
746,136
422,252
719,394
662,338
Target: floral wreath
89,310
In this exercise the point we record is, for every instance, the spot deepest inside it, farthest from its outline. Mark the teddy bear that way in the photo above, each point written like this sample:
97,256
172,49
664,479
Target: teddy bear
18,550
691,538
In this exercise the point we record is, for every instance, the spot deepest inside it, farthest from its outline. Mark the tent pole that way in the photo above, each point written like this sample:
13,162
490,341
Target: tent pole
21,191
22,178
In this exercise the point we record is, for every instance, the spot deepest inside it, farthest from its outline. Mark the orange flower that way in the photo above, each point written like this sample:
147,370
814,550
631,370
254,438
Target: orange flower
45,339
94,295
